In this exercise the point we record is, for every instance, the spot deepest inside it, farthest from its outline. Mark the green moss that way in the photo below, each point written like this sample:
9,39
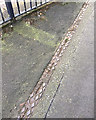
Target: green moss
6,47
36,34
66,40
5,35
64,3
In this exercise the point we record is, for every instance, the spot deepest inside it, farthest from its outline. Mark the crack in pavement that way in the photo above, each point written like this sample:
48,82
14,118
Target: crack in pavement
54,96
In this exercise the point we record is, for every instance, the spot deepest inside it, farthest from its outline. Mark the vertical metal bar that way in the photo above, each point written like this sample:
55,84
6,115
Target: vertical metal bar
9,8
24,5
2,15
18,6
30,4
36,3
40,2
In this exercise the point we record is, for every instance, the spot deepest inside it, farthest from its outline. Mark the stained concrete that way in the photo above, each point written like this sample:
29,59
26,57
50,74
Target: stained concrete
27,50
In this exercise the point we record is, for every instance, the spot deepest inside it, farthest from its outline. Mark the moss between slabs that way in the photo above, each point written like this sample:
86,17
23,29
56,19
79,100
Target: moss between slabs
36,34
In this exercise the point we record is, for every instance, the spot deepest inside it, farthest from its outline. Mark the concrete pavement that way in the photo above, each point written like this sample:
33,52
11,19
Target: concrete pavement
27,50
70,93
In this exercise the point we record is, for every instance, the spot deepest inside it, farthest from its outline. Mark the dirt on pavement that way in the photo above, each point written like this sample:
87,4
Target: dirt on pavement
28,48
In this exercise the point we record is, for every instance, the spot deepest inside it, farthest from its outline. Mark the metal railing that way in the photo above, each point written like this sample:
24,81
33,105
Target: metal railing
10,9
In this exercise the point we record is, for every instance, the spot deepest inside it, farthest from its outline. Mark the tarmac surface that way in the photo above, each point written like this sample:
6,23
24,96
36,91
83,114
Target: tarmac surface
28,47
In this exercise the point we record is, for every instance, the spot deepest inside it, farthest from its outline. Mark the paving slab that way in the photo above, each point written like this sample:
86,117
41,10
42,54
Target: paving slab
75,97
28,48
70,92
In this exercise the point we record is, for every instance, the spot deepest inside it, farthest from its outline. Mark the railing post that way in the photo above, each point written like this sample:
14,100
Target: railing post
9,8
36,3
2,15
